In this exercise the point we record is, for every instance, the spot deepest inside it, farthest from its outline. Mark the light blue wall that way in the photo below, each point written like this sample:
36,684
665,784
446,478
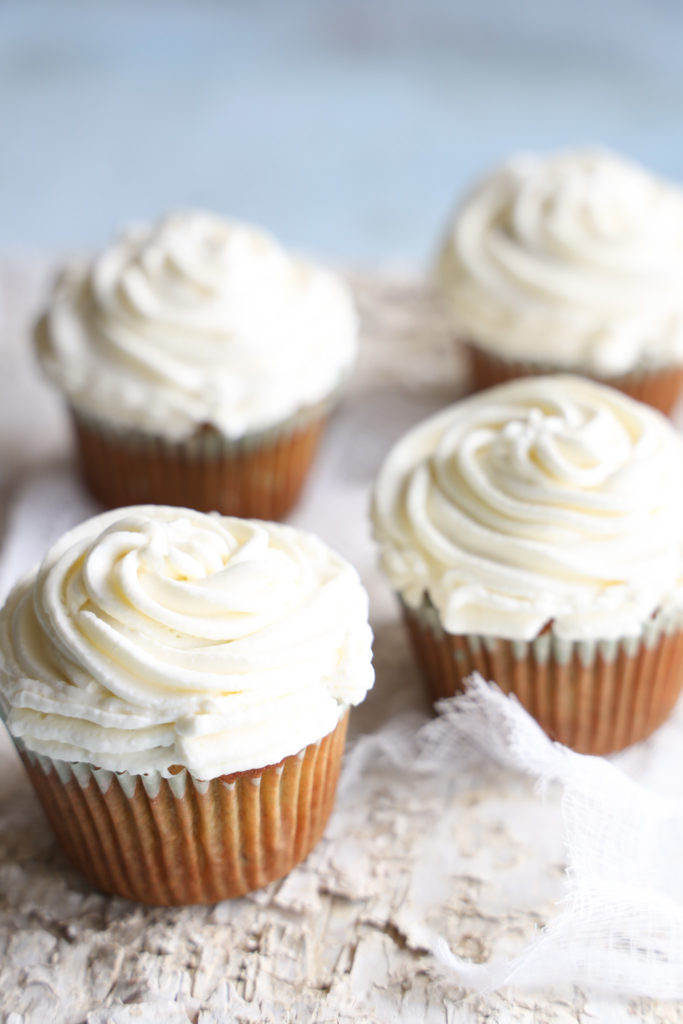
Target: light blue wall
347,127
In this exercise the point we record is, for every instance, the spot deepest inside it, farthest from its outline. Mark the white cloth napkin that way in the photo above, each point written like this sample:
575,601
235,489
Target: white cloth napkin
620,928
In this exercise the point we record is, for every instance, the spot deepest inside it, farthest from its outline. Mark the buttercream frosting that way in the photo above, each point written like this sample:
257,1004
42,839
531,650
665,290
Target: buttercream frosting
573,261
196,320
156,637
544,500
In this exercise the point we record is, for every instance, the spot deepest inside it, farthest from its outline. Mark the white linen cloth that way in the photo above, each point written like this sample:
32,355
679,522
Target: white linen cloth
620,927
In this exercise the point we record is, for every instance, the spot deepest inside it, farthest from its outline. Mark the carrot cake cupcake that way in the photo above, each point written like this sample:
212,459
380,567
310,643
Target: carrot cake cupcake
570,262
200,362
178,687
534,533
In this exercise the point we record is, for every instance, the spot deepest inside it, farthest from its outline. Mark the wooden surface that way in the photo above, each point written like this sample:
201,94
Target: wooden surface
473,852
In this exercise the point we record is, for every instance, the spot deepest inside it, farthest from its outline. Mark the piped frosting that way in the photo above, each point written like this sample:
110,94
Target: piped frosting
193,321
550,500
573,261
154,637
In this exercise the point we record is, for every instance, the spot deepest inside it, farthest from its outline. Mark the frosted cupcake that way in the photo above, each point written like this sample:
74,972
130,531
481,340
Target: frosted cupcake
200,362
570,262
534,534
178,687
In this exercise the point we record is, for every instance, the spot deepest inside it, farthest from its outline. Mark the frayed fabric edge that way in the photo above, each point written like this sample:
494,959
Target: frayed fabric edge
620,924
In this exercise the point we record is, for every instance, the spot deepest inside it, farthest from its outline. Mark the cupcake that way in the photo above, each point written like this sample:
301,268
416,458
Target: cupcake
200,362
178,686
534,534
570,263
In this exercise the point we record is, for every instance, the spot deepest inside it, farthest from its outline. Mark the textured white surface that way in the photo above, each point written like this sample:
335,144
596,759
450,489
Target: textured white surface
473,851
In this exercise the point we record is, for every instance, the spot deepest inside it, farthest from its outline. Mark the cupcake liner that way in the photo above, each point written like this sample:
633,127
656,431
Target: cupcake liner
595,696
181,840
659,388
260,475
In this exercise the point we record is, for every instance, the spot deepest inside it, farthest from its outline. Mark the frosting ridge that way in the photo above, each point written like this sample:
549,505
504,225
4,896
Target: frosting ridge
544,500
572,260
153,637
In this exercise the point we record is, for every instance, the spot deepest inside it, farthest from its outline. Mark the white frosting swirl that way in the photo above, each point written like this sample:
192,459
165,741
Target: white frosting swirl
196,321
572,261
152,637
545,500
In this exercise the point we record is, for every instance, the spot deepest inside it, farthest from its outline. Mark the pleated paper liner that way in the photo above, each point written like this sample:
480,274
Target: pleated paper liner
659,388
260,475
180,840
594,696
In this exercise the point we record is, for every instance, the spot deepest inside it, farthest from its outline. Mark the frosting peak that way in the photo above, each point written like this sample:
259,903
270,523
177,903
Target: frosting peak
545,500
197,320
153,637
572,260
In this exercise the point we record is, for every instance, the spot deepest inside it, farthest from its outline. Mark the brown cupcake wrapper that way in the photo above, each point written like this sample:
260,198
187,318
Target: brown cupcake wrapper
594,696
181,840
260,475
659,388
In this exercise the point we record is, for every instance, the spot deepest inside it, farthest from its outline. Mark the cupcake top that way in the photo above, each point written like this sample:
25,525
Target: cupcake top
573,260
196,321
155,637
548,500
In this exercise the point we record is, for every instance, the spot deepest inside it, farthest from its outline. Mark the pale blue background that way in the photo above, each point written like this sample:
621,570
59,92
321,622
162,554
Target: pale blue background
347,127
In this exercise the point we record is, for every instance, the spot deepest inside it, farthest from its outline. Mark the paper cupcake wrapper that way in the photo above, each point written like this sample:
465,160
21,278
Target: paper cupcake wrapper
659,388
595,696
180,840
260,475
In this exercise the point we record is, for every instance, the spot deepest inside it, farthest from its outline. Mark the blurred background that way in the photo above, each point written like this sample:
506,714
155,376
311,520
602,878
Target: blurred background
347,127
